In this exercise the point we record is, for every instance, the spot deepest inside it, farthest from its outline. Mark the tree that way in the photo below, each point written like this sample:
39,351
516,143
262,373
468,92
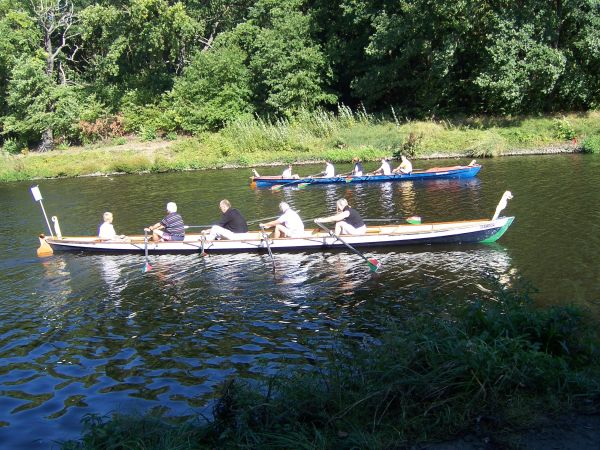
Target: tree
55,19
214,89
290,71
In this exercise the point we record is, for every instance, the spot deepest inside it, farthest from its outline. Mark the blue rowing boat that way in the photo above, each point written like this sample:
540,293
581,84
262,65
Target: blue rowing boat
435,173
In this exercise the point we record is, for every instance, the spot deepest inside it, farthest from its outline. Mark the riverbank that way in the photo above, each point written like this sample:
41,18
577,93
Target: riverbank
321,137
498,374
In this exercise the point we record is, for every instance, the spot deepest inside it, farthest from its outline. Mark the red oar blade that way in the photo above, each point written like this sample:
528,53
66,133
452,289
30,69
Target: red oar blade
374,265
147,267
276,187
348,180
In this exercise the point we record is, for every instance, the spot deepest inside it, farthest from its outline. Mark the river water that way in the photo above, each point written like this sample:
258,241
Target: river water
92,334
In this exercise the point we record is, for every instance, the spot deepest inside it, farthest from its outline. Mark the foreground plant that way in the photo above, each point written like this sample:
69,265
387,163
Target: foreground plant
490,364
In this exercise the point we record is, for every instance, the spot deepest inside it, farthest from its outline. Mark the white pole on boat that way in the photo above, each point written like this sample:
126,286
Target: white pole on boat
37,196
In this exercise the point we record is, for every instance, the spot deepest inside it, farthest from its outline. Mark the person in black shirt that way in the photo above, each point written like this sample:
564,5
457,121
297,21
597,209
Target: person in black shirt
347,220
232,224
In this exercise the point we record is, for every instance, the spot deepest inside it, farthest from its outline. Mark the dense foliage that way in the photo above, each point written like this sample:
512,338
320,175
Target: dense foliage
489,367
75,71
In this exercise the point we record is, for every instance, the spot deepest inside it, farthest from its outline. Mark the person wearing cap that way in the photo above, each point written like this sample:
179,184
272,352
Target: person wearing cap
170,228
347,220
289,224
232,224
405,166
106,231
357,171
384,169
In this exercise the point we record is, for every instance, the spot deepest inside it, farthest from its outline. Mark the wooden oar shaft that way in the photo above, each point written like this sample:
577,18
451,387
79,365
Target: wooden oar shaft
266,239
332,234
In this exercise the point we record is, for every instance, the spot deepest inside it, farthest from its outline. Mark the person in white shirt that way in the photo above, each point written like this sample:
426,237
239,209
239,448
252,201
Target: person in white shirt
287,173
289,224
106,231
384,169
404,167
329,170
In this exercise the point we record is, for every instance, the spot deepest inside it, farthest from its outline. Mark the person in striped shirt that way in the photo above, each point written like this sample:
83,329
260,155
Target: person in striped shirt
170,228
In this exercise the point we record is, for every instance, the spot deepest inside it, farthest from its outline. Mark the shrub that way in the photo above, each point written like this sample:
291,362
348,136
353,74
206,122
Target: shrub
410,146
148,133
101,128
11,146
563,129
591,144
119,141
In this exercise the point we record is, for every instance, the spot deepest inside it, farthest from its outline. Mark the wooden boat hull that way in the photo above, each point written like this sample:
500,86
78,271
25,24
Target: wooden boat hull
474,231
434,173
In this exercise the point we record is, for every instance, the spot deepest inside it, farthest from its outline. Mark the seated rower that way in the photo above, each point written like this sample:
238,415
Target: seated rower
347,220
357,171
170,228
405,166
384,169
287,173
232,224
106,231
329,171
289,224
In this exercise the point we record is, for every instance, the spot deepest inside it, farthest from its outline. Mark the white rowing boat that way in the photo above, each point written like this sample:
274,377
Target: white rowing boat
456,232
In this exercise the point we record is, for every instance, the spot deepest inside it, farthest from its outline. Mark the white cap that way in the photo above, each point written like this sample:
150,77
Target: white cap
283,206
171,207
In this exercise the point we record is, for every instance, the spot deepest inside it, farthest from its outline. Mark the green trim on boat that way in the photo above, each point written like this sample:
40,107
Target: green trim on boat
500,232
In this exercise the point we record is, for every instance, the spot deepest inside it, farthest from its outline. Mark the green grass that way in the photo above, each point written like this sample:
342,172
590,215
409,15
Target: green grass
309,137
495,365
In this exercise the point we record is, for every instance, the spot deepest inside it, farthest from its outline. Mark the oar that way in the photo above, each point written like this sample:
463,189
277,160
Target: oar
147,266
374,265
202,242
196,226
301,183
261,220
266,239
411,220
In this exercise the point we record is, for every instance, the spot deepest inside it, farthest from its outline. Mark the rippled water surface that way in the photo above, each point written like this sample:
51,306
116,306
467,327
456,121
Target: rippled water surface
92,334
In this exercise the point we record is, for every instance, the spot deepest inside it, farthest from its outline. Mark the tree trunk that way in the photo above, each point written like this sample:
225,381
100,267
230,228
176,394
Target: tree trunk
47,142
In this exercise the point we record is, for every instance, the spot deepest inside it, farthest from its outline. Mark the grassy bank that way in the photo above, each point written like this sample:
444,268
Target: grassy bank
315,137
492,367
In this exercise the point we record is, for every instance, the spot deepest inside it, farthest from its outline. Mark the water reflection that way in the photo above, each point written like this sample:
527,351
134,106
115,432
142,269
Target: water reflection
92,334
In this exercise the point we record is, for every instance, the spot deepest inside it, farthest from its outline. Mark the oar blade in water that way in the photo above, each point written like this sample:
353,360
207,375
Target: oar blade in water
147,267
374,264
303,185
276,187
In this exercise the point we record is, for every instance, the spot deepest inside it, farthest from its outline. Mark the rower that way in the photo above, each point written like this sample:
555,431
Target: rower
329,171
384,169
289,224
347,220
232,224
287,173
106,231
358,167
170,228
405,166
